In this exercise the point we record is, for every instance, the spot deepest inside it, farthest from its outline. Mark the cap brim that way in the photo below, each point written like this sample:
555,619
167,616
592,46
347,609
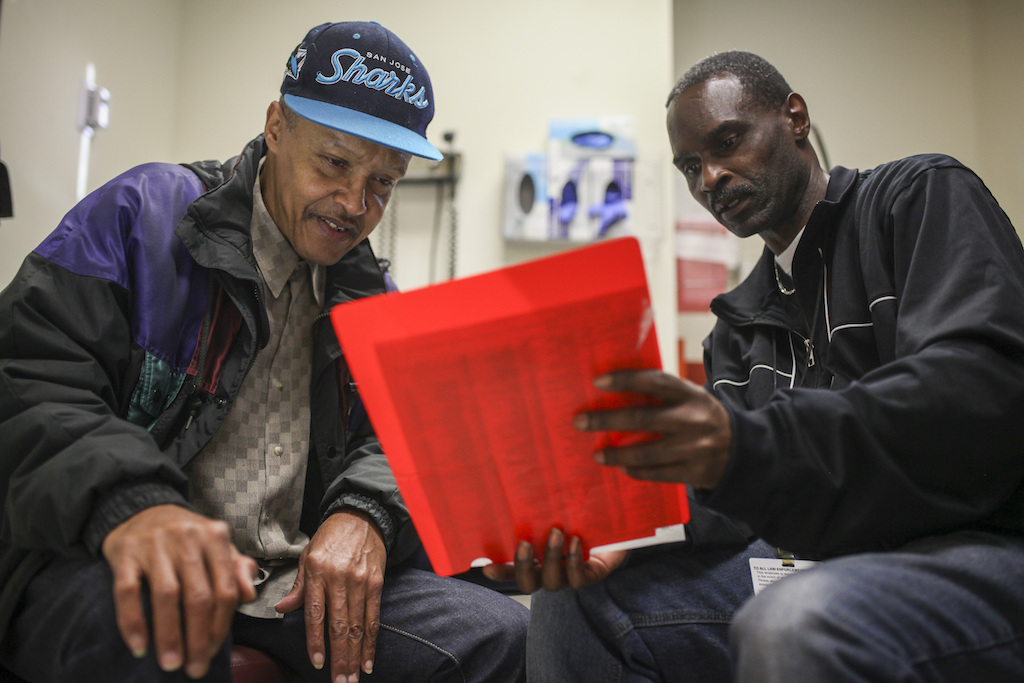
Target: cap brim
363,126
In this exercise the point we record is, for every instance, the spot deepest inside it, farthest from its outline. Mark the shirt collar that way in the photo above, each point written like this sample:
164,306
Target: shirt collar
785,259
274,255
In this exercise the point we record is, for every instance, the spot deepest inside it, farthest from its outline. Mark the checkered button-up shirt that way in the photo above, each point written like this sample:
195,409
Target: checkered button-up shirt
252,473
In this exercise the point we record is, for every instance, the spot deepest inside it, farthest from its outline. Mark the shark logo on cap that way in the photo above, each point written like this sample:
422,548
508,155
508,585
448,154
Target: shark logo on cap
295,62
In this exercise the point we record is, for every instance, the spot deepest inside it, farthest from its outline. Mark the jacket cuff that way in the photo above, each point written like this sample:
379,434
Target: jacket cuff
746,491
377,512
122,502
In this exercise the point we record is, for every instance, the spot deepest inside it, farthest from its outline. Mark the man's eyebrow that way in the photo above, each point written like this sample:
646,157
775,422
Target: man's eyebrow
678,161
727,127
341,148
398,168
715,133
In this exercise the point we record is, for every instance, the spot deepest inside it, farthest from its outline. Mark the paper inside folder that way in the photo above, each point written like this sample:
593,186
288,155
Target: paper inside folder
665,534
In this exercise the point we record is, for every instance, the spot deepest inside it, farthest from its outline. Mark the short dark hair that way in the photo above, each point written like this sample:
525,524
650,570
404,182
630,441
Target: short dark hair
761,81
290,117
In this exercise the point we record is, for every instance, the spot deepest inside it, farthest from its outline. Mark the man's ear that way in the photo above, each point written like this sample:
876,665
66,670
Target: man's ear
799,118
275,124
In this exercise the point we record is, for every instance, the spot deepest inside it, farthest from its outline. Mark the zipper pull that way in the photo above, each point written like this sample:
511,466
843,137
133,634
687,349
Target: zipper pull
196,404
809,347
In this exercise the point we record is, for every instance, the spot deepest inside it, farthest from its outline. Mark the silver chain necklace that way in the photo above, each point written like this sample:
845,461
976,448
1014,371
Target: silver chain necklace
778,281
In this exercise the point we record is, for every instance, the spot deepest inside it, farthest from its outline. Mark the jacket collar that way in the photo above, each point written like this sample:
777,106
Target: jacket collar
216,229
757,298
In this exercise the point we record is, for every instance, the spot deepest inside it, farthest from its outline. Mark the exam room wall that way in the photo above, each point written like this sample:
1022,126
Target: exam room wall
882,80
192,78
44,48
500,72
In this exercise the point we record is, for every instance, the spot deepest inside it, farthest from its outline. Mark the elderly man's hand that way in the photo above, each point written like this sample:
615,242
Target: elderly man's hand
341,576
695,430
196,580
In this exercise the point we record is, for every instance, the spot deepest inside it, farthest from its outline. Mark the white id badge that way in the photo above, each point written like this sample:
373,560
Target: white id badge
766,570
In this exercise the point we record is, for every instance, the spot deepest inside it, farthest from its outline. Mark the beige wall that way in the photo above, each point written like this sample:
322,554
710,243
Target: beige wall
501,71
998,48
44,48
192,78
886,79
883,80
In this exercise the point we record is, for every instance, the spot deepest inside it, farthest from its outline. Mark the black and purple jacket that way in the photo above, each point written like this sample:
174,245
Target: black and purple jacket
124,339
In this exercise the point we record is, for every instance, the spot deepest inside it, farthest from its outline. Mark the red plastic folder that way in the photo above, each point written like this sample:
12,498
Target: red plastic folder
472,386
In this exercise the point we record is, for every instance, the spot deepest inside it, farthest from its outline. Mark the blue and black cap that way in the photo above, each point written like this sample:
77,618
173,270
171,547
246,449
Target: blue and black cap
361,79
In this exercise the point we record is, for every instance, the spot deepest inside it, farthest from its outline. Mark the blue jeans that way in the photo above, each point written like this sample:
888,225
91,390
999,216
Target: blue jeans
944,608
432,628
947,608
663,616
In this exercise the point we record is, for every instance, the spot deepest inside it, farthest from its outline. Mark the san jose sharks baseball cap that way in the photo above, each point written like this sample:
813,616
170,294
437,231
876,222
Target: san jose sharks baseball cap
360,78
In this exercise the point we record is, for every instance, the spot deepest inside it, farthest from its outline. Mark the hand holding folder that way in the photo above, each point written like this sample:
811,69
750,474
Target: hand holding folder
472,386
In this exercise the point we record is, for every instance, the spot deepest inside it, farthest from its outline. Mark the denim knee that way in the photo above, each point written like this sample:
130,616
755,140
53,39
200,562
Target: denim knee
66,630
779,631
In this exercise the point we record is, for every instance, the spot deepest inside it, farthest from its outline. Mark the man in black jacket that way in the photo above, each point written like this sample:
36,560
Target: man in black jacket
184,461
863,408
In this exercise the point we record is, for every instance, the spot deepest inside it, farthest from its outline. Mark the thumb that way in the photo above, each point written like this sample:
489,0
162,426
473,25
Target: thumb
499,572
295,598
246,570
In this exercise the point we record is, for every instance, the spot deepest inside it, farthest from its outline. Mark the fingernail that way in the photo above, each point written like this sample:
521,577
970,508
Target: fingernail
318,661
599,457
170,662
602,382
368,666
195,670
523,551
353,678
138,649
555,538
580,421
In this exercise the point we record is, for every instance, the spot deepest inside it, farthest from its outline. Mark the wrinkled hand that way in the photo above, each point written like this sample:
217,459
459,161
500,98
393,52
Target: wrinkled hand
196,580
341,576
559,569
695,429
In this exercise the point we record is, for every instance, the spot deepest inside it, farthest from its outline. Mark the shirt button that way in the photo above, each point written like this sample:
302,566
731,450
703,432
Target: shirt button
279,385
279,451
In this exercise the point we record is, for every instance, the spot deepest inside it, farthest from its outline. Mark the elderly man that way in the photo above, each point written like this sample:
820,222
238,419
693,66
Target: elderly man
184,461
